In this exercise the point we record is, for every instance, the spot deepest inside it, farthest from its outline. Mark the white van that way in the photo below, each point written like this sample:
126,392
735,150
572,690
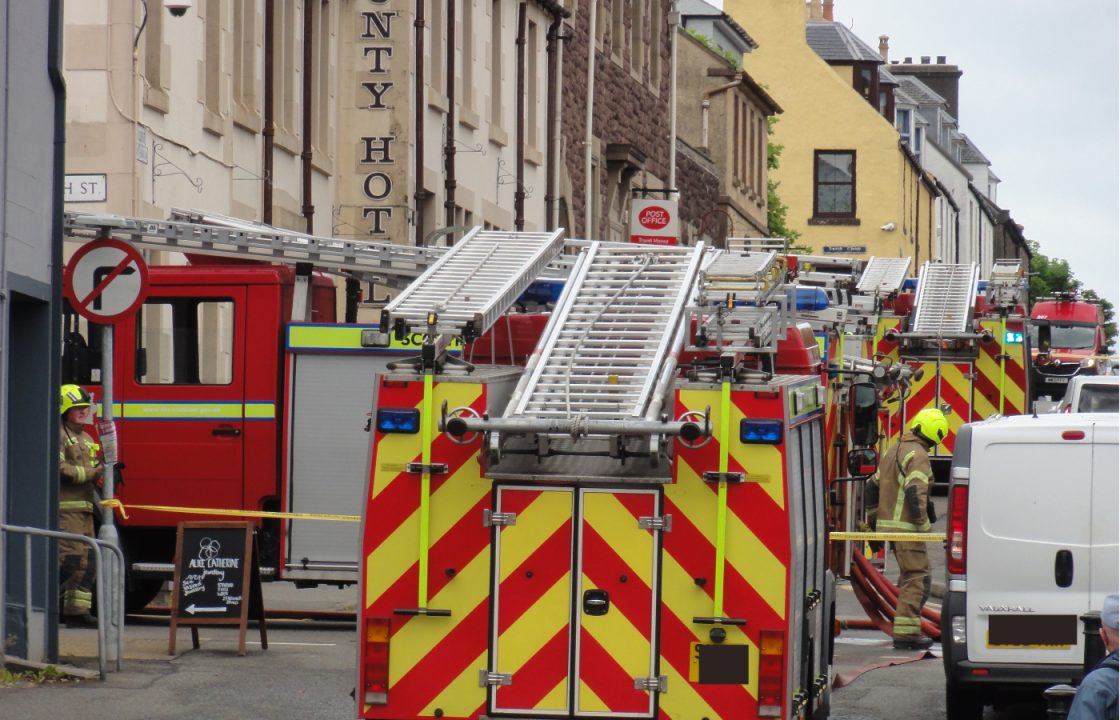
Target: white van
1032,532
1091,393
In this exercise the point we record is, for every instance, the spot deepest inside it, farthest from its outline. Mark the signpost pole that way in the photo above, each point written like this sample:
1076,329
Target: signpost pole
108,531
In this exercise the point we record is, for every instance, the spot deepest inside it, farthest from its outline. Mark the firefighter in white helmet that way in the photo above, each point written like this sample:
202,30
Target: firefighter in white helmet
79,470
900,490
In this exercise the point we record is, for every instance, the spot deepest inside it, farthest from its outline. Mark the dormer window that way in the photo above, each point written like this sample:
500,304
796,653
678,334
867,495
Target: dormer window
865,80
902,118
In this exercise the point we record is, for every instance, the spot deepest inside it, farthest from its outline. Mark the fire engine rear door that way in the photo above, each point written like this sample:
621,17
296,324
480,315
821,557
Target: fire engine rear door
616,601
954,388
532,600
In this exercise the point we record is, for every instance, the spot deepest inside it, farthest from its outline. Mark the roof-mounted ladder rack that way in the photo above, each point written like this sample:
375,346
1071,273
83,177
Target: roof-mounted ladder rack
883,276
208,234
1006,286
946,296
736,310
464,292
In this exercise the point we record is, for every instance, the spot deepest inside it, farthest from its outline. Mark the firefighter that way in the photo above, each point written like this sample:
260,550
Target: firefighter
79,470
904,506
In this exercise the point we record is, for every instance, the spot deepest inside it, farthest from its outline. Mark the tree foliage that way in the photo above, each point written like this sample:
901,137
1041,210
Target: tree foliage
776,210
1050,275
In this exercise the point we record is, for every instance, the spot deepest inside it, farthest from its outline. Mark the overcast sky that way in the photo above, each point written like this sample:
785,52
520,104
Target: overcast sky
1039,98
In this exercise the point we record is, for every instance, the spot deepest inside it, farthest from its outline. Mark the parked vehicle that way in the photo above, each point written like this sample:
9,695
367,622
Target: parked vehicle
1067,340
1091,394
1032,545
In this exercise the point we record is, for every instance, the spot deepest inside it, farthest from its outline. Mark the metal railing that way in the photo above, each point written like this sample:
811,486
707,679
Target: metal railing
110,615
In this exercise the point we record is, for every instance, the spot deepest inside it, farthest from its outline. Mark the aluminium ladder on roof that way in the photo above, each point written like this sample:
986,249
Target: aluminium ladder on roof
475,281
381,263
1005,283
883,275
612,336
751,322
946,296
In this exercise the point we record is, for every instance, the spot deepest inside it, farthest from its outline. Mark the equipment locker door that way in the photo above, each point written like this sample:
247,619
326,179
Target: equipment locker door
183,400
532,600
616,598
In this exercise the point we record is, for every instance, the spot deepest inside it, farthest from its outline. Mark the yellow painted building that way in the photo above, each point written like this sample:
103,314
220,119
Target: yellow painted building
851,188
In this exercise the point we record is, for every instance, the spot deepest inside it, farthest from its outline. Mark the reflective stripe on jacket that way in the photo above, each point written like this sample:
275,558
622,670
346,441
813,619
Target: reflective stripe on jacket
78,460
903,466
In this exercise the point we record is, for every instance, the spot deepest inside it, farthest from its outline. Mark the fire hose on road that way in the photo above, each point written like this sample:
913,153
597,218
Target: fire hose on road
879,597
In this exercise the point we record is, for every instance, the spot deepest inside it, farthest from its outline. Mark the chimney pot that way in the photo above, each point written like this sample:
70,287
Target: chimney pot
827,11
941,59
925,59
815,9
908,60
884,47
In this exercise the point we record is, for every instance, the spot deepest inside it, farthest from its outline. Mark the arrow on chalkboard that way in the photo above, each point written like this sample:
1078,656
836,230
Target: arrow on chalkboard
192,609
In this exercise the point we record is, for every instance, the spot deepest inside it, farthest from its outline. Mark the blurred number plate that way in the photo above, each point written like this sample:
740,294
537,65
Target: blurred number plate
1035,631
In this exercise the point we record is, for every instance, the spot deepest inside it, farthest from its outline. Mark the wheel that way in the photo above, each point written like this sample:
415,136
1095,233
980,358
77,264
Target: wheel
140,592
962,703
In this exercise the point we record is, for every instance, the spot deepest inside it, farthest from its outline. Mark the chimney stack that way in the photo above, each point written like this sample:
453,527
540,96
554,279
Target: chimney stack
814,9
828,10
941,59
925,59
884,47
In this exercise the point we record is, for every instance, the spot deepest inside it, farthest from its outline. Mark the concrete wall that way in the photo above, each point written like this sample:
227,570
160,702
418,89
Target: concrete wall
28,324
822,111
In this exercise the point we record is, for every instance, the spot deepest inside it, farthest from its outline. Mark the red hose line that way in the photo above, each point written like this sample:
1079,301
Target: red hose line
890,590
877,589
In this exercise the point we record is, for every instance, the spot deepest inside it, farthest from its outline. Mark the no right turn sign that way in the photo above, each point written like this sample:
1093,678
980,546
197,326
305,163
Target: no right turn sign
106,280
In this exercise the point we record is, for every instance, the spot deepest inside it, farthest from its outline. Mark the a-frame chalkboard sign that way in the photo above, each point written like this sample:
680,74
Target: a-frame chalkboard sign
217,580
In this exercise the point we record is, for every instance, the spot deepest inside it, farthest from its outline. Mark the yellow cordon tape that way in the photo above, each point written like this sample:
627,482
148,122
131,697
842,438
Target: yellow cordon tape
228,513
884,537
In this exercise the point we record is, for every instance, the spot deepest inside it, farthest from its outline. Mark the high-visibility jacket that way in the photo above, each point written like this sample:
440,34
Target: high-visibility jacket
904,466
78,459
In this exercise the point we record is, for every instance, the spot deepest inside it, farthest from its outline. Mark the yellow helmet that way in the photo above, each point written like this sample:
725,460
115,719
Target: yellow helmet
931,425
74,396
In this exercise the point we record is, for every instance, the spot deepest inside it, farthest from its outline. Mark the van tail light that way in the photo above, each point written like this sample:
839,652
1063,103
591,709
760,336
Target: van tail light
771,672
958,530
375,662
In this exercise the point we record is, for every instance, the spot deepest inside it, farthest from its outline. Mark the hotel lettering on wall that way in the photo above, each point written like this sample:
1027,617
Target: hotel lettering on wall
381,33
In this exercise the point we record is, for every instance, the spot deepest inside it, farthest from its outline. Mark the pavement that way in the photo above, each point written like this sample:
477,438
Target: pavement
308,670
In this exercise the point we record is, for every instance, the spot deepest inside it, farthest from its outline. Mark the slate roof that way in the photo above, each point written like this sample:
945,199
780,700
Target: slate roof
699,8
834,42
921,92
970,154
885,78
901,97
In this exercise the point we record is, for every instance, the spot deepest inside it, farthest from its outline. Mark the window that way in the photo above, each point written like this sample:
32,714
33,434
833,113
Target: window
655,45
834,178
532,113
919,134
902,122
760,150
185,341
155,73
245,54
617,46
437,16
212,57
735,170
637,42
284,65
321,77
466,65
600,22
865,80
496,62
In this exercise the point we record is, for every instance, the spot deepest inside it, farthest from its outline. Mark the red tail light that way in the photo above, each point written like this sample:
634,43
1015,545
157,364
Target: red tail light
958,530
771,672
375,662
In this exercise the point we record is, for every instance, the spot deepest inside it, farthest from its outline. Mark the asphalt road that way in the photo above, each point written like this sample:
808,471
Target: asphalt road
308,672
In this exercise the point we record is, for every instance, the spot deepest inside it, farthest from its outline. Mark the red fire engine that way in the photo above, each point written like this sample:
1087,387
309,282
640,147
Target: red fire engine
1067,339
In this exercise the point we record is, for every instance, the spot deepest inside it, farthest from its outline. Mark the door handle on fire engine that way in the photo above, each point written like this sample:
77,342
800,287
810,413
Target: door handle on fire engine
596,602
225,431
1063,568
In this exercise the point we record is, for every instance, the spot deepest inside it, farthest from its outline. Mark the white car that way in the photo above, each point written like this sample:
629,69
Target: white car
1032,544
1091,394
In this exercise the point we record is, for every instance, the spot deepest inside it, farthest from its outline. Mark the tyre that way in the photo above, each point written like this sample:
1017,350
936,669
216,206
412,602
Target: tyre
963,703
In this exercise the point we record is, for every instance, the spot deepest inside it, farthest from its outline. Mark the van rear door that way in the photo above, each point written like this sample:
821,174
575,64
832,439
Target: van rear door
1028,544
1104,554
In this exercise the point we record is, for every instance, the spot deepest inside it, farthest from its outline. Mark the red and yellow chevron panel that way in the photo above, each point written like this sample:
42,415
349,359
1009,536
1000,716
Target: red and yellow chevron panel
533,603
758,554
1001,359
433,661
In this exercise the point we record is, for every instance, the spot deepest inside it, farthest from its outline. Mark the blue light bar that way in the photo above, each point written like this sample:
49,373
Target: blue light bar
812,299
1013,337
760,432
405,420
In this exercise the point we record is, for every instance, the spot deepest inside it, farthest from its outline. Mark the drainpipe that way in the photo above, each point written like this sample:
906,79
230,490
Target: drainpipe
449,143
588,189
269,129
419,106
58,86
674,20
705,111
306,155
552,42
519,187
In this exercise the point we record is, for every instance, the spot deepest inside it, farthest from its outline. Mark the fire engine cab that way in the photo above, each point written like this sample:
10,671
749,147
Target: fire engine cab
631,525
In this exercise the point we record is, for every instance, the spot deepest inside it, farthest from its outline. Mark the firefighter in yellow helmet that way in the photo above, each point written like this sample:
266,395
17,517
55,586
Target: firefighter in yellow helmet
900,489
79,470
